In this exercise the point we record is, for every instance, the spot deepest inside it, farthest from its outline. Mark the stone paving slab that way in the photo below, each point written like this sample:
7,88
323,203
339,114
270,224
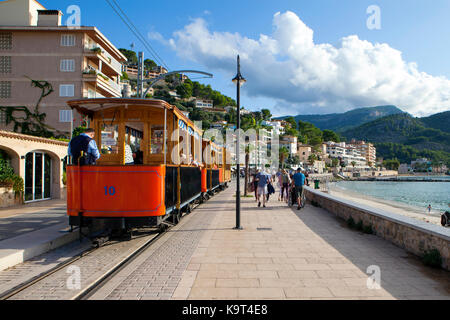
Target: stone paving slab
31,230
41,264
307,254
23,222
14,251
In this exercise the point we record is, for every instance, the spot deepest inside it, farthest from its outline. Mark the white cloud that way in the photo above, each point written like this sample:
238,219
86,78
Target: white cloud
303,76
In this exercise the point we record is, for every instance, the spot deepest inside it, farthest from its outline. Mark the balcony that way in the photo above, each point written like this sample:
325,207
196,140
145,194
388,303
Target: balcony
99,80
97,54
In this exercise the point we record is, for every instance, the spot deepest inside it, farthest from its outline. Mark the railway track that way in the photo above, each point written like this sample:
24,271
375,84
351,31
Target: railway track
93,287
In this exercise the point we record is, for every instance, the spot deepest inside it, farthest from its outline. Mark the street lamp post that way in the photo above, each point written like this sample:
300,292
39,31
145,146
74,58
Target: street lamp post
238,80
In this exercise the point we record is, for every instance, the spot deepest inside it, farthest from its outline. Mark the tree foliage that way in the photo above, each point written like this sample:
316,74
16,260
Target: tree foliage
130,55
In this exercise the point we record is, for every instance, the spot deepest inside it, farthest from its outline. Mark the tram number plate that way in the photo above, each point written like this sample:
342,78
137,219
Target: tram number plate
110,191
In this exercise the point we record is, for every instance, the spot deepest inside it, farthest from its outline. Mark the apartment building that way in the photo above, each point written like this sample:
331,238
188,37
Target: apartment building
290,142
78,62
304,152
346,154
276,125
132,72
200,103
367,150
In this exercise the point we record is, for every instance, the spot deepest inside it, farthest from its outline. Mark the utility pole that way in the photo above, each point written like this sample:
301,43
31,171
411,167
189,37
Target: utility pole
140,78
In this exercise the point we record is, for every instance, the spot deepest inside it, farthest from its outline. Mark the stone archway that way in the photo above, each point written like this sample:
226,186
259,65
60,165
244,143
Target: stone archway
14,156
23,148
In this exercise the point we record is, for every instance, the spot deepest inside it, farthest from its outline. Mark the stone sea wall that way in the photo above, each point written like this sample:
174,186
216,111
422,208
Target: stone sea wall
413,235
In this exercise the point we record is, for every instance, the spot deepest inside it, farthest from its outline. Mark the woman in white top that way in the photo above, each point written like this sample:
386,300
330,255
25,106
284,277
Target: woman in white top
129,160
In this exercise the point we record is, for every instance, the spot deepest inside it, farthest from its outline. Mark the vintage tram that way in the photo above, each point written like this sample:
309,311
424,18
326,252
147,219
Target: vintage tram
173,166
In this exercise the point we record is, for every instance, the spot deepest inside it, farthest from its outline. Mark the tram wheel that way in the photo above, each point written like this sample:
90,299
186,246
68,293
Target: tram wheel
162,227
176,217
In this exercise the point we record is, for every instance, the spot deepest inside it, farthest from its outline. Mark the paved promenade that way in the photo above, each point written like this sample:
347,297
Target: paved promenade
307,254
17,221
281,253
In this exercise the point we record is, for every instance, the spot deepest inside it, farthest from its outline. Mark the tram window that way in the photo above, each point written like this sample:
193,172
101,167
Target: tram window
133,138
110,139
193,155
157,140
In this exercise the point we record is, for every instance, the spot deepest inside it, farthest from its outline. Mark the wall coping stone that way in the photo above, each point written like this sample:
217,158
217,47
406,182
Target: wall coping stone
433,229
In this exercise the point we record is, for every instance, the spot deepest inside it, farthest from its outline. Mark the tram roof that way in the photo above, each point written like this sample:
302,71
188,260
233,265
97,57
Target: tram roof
90,106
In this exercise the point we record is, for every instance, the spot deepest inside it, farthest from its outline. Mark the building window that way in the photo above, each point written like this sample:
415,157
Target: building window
68,40
66,90
67,65
2,117
5,89
65,116
5,64
5,41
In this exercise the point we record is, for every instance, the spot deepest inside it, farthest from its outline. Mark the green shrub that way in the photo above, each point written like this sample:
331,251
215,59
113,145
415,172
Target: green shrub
350,223
368,229
359,226
432,258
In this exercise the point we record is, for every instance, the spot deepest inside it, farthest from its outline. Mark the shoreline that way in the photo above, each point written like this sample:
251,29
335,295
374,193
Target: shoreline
390,206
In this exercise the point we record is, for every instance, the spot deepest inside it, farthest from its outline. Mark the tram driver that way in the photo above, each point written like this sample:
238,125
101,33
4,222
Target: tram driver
84,143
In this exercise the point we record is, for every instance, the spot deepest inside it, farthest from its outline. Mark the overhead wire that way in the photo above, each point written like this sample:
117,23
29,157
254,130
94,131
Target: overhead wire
143,38
136,32
126,20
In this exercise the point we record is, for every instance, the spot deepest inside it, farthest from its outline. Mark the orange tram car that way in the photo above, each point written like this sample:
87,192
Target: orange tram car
173,166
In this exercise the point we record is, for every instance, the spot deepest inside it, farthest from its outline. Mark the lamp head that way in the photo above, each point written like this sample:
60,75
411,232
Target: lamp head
239,78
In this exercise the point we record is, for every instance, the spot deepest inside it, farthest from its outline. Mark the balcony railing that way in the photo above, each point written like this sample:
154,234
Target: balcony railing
94,48
103,78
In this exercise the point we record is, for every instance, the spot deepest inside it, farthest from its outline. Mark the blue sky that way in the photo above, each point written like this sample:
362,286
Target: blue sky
418,29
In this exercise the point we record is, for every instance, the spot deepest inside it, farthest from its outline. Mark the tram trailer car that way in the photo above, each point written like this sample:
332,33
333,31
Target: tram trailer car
157,187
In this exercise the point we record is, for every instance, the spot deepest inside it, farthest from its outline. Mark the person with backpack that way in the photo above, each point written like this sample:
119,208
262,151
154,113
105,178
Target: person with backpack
84,143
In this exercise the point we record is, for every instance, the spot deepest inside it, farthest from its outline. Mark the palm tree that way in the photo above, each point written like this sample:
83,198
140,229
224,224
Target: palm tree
284,153
353,165
248,149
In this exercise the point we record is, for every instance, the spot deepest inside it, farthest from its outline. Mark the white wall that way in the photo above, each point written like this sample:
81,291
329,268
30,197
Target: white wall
19,12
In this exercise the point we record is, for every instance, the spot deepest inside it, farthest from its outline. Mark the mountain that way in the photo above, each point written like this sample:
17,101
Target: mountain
401,133
401,128
342,121
439,121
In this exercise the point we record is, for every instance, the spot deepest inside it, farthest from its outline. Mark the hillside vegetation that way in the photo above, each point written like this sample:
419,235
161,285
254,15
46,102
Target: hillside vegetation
342,121
404,137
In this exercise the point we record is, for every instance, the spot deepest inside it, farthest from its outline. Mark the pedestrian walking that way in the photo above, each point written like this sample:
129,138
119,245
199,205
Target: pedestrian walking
255,184
279,178
84,143
299,181
263,180
286,181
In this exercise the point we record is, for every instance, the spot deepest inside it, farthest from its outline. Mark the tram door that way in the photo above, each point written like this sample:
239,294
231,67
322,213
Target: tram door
38,167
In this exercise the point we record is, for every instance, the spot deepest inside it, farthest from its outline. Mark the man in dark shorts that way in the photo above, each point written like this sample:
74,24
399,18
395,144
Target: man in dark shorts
299,180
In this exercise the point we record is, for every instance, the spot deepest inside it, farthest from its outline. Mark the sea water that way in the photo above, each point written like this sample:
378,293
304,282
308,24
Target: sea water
417,194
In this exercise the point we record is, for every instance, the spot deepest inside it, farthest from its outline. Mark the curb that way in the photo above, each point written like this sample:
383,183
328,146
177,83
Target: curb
14,251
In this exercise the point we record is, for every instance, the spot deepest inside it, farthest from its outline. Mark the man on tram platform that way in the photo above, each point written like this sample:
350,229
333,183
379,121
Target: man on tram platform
84,143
